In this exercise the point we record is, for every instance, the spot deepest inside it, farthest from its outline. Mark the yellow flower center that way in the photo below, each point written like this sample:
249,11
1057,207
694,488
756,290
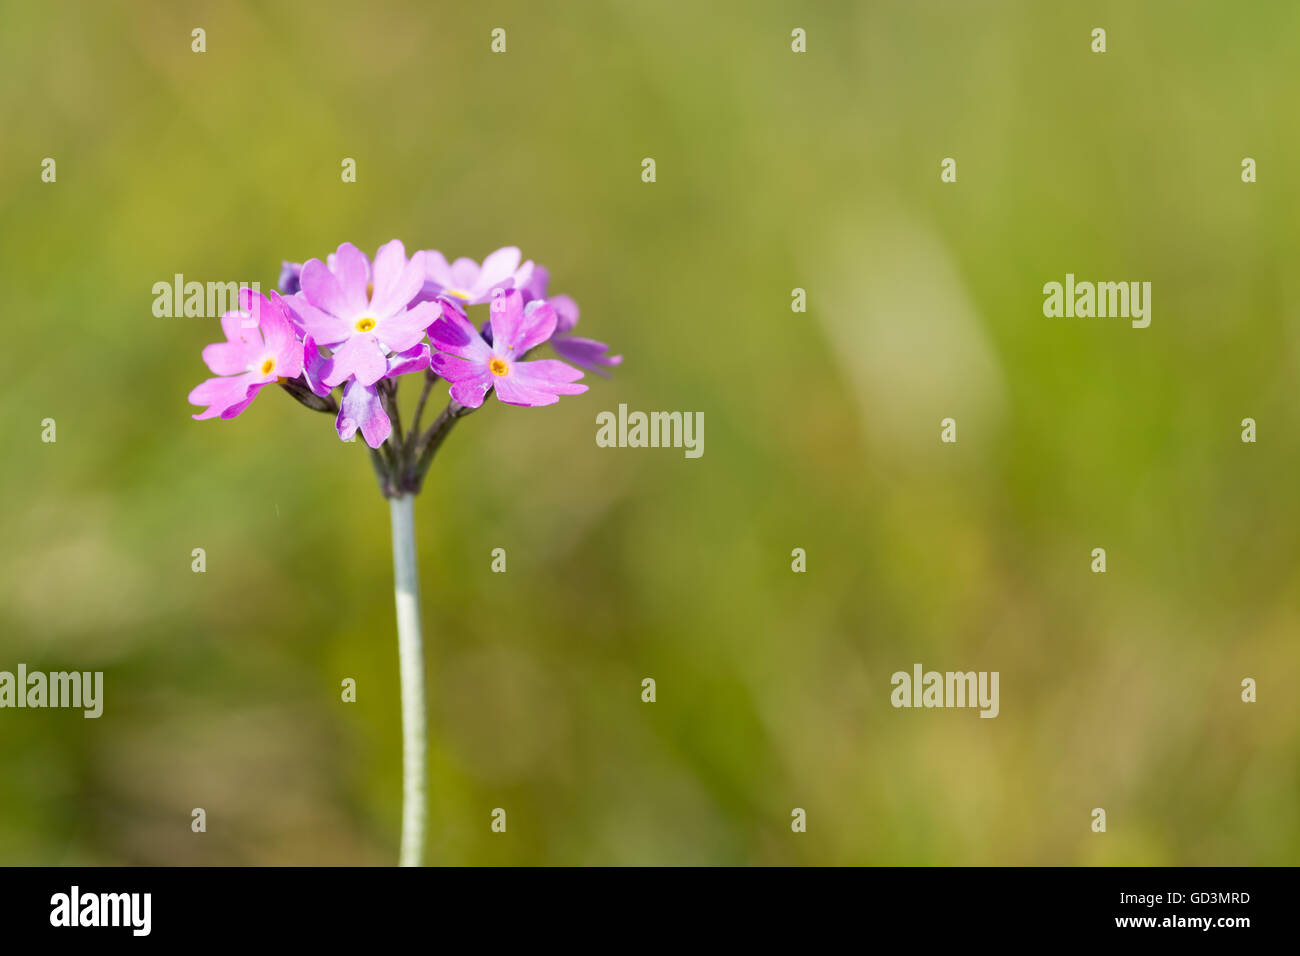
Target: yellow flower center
268,366
498,367
458,294
365,324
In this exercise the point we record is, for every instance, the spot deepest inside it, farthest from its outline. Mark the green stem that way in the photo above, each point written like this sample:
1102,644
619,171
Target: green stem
429,379
410,655
427,445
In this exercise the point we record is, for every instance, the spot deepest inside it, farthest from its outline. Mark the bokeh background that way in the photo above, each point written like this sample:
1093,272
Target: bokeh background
775,171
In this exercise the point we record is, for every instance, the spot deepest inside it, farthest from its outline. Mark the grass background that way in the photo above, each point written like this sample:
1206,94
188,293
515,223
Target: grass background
775,171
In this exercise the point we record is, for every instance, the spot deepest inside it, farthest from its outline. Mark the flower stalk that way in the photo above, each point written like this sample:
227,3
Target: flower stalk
340,335
400,465
410,656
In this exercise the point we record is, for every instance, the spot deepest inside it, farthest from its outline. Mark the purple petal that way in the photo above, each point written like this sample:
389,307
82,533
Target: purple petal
239,326
326,329
401,282
538,383
550,374
522,277
352,269
226,397
454,334
361,408
252,302
513,392
536,285
390,260
436,269
470,392
234,410
515,329
360,356
229,358
498,269
281,340
457,370
315,367
566,313
415,359
322,290
404,330
464,274
587,353
403,290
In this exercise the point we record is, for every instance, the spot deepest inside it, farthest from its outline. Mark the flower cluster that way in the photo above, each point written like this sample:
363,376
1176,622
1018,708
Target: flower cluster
357,325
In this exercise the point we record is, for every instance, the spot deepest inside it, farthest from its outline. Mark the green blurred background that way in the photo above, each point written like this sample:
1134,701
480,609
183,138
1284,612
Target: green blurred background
776,170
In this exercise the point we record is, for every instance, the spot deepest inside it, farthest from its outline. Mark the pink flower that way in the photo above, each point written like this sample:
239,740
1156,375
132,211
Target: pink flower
474,368
471,283
363,315
250,358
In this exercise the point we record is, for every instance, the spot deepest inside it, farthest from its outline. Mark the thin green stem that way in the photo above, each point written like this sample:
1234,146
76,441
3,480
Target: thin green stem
383,473
429,379
427,445
410,655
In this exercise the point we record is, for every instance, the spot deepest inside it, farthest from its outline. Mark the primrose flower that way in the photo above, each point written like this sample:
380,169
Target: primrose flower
474,368
586,353
364,315
250,358
471,283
